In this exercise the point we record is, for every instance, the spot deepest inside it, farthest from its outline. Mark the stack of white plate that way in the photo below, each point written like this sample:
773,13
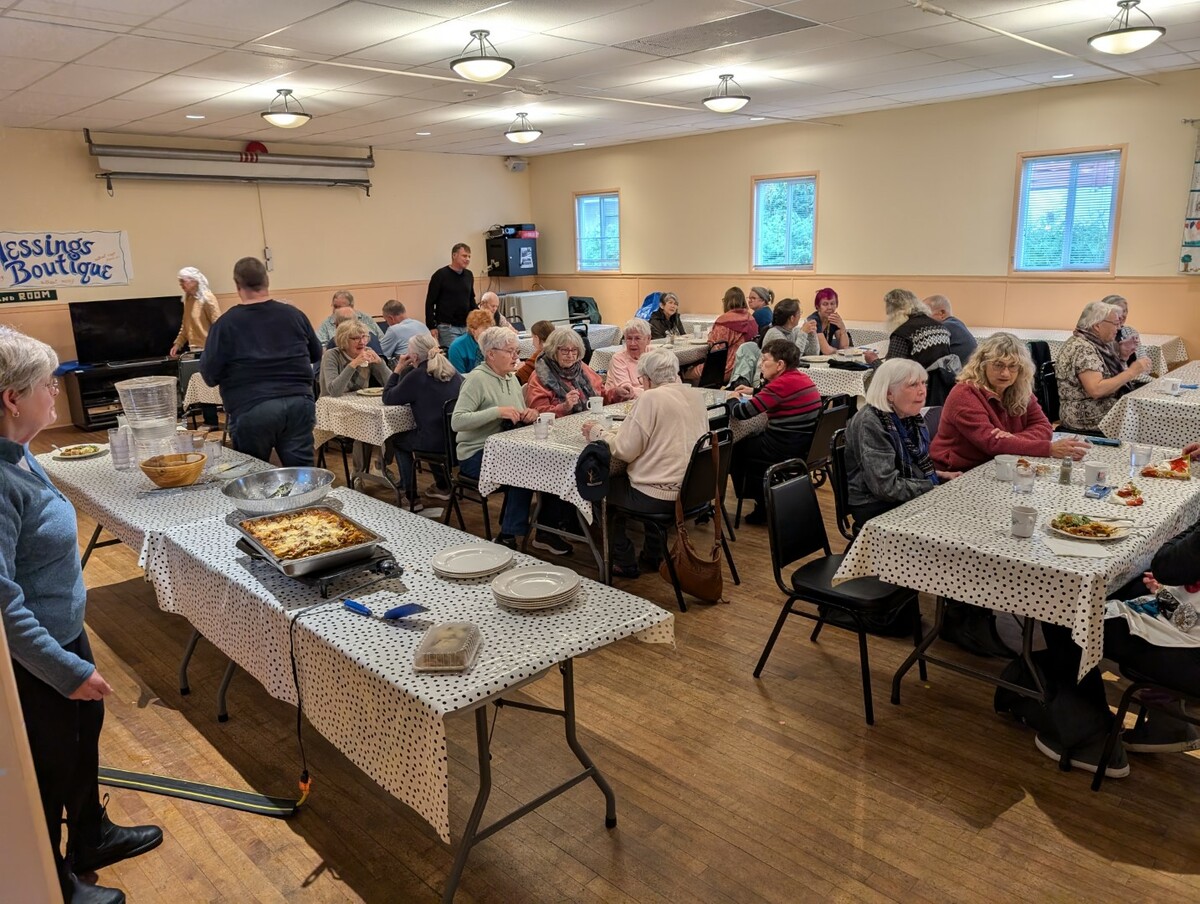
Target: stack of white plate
535,587
474,560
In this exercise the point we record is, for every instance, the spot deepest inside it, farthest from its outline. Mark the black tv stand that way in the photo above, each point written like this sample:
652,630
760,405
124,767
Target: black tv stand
92,394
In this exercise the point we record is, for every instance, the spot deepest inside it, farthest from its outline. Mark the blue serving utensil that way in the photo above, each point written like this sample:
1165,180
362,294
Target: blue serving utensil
394,613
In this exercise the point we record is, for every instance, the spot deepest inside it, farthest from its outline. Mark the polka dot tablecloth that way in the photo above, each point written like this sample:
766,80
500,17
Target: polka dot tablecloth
955,541
356,673
1162,350
686,351
599,335
129,506
200,393
1152,415
517,458
364,418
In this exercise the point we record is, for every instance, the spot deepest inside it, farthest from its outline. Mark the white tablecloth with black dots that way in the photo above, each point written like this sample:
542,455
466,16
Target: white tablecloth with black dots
517,458
599,335
200,393
356,673
687,351
1151,414
129,506
364,418
955,541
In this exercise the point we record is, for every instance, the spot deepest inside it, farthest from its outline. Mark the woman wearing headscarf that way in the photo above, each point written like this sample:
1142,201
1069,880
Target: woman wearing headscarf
200,312
42,601
1091,374
561,382
425,381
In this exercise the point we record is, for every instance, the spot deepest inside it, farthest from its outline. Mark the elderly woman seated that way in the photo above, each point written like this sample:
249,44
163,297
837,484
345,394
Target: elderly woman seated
656,439
914,334
1129,340
622,380
992,411
831,329
489,401
464,351
561,382
490,302
350,365
1091,374
666,319
792,404
425,381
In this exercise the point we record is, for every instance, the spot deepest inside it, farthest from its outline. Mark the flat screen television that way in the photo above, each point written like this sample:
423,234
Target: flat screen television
125,329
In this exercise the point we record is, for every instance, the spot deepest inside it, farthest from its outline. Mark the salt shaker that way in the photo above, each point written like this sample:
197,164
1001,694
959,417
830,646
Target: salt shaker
1064,471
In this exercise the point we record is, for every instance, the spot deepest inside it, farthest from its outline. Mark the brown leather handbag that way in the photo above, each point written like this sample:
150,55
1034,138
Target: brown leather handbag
699,575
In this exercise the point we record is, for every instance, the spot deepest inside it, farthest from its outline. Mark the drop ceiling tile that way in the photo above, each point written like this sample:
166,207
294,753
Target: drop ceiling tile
351,27
574,68
888,22
994,86
15,74
146,54
125,110
47,105
21,120
92,81
24,40
237,20
945,68
111,12
235,66
82,120
938,34
828,11
180,89
641,74
650,18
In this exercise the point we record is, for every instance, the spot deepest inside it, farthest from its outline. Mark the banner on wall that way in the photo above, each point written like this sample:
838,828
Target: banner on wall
1189,257
35,260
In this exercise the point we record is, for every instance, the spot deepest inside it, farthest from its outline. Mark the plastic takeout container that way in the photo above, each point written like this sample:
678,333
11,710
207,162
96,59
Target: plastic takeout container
448,647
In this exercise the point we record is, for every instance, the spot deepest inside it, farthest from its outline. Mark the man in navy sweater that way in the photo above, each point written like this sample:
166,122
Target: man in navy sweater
263,359
451,297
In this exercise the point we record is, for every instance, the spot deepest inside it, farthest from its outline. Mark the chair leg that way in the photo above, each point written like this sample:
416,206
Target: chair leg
737,514
816,631
1111,742
783,614
670,567
729,558
728,523
866,675
345,463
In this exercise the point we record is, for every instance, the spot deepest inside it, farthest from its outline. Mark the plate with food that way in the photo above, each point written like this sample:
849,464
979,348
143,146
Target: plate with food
1129,494
372,391
1172,469
1086,527
1040,468
79,451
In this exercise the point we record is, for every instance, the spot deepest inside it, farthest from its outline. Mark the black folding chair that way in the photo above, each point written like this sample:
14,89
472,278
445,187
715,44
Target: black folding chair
796,531
712,376
461,486
1145,702
696,498
841,487
835,412
933,417
1045,378
582,330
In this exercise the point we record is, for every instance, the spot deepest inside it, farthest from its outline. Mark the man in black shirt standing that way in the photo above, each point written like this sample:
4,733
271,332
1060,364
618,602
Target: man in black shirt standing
263,361
451,297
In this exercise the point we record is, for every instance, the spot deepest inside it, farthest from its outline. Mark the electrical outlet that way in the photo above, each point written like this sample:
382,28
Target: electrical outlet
267,259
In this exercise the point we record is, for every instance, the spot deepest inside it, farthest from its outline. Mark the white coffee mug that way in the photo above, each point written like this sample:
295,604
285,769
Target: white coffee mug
1006,466
546,417
1095,473
595,403
1174,387
1024,518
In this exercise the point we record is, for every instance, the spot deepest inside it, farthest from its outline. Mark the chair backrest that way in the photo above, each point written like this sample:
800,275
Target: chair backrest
840,485
699,482
517,324
582,330
794,523
933,417
451,437
713,374
585,306
832,419
1045,380
649,305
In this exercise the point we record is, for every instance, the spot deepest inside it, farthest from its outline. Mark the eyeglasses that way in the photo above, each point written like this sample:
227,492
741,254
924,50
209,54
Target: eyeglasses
52,386
569,352
1000,365
1113,322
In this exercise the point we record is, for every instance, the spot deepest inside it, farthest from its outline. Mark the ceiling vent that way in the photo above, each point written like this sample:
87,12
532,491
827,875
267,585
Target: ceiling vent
763,23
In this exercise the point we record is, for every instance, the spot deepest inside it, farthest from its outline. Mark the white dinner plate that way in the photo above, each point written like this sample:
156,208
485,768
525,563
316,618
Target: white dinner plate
697,342
472,560
815,359
371,391
532,605
99,449
531,583
241,469
1117,534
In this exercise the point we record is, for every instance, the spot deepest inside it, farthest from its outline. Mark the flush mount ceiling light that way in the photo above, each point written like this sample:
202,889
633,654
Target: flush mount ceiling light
722,101
522,130
1122,37
285,111
477,65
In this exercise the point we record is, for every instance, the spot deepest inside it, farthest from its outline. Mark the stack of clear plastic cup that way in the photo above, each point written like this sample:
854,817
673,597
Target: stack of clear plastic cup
120,448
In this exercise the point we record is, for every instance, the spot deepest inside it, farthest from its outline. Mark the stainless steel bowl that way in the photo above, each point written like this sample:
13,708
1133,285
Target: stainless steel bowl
253,493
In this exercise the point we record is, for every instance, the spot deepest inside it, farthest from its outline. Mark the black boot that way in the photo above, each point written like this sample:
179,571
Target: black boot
82,893
973,628
112,843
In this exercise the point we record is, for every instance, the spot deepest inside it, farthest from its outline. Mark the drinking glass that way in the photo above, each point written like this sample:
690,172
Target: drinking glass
1023,478
1139,457
119,442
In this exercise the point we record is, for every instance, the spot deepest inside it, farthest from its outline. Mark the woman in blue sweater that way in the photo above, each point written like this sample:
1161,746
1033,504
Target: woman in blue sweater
42,600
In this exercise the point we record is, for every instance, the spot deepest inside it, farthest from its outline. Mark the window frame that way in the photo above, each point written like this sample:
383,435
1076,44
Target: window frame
814,175
1114,233
594,193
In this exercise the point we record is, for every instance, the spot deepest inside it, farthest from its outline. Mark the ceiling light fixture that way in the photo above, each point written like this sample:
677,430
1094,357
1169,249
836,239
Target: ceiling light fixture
721,101
1064,75
424,134
477,65
522,130
1122,37
579,144
193,116
290,115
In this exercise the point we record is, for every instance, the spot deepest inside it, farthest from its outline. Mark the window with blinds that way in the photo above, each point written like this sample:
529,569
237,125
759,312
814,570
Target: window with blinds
785,215
598,231
1066,212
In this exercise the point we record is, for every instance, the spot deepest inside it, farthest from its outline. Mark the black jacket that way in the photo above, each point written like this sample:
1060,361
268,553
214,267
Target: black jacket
1177,562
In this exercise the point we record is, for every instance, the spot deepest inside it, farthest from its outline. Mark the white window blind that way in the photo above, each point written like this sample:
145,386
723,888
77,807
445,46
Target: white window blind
1066,212
598,232
784,220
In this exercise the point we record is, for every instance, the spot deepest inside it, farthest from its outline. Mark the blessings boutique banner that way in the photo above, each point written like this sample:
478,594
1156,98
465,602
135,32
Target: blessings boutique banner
36,260
1189,258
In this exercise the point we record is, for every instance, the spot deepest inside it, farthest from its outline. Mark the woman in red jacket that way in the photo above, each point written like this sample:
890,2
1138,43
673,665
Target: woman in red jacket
992,411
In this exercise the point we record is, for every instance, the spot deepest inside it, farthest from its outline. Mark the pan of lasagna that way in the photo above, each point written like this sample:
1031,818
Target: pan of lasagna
309,539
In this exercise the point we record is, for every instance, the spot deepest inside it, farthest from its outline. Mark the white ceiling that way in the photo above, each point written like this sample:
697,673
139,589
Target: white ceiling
376,72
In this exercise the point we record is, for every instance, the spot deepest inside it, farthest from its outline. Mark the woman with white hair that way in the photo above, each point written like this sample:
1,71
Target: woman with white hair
200,312
887,443
656,440
42,602
1091,375
622,381
666,319
425,381
561,382
992,411
1129,340
351,364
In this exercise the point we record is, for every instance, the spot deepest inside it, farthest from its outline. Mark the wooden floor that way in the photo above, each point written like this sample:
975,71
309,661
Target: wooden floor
729,789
